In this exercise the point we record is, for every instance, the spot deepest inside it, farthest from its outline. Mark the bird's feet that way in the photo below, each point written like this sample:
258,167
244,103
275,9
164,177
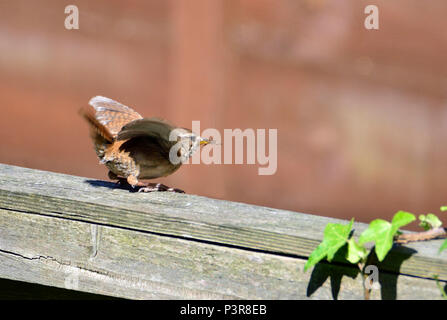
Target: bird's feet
147,187
150,187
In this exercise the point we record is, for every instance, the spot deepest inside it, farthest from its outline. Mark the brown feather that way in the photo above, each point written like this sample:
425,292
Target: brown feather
112,114
97,128
148,126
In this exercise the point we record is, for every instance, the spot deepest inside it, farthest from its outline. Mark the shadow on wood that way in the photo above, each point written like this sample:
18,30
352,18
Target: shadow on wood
18,290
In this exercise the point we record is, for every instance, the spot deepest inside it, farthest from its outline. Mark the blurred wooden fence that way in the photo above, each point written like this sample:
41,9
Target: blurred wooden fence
361,115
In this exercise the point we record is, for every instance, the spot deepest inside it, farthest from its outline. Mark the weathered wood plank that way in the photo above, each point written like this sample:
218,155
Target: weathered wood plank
164,245
124,263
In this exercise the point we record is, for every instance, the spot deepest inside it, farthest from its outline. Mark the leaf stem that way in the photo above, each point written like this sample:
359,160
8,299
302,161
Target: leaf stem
435,233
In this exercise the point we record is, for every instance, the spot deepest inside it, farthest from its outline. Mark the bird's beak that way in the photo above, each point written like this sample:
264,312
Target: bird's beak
204,141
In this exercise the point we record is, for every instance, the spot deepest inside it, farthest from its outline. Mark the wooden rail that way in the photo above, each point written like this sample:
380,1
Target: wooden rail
90,236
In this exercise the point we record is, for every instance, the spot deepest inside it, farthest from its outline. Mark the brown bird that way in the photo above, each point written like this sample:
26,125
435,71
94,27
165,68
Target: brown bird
133,147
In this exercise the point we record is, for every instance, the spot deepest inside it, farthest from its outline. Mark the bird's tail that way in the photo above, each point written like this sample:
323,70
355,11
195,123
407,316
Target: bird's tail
101,136
98,131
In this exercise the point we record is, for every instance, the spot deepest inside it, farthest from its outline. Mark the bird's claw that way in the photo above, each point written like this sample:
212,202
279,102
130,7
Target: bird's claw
151,187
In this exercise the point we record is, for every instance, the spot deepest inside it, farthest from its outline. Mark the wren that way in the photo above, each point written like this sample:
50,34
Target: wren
133,147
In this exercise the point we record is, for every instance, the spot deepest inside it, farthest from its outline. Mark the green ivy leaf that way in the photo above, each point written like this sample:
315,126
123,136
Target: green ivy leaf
379,231
382,232
402,218
335,236
443,246
356,252
429,221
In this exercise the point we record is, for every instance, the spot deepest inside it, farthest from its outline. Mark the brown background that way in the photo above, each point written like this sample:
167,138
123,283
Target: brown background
361,115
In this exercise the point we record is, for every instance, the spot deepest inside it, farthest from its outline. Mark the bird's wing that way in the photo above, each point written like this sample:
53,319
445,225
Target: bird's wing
152,127
112,114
